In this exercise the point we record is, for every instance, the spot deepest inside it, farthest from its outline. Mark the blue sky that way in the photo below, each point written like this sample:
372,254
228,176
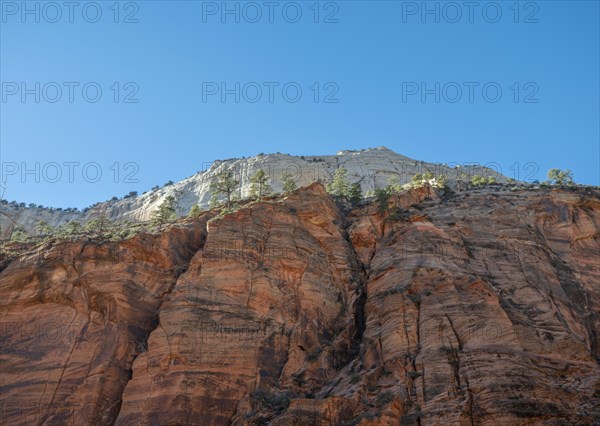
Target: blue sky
373,57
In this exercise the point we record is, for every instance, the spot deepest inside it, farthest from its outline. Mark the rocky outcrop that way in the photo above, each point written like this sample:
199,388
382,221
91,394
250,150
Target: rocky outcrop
275,285
373,168
484,307
74,316
480,307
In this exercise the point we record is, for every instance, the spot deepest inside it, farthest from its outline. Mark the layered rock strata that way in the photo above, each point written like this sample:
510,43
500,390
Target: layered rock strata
480,307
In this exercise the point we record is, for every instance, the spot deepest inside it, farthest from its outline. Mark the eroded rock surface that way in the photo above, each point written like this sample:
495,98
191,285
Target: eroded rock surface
74,316
480,307
372,168
484,308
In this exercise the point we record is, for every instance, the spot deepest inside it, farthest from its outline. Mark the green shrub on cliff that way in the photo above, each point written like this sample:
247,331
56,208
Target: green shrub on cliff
288,181
560,177
19,235
339,186
259,185
342,190
195,211
98,225
478,180
226,185
165,212
43,228
419,180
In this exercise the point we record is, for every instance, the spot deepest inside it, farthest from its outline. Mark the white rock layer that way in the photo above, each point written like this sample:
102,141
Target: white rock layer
372,167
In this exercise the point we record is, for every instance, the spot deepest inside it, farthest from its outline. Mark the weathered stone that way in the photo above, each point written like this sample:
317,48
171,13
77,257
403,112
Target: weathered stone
372,168
481,307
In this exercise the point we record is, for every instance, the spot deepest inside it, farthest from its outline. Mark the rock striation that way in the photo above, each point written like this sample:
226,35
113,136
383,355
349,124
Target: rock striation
372,167
73,318
475,307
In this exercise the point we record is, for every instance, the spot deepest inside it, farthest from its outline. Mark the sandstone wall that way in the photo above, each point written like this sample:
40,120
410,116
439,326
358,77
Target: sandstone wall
481,307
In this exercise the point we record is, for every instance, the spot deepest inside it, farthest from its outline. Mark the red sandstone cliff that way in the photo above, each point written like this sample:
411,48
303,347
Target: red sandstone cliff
481,307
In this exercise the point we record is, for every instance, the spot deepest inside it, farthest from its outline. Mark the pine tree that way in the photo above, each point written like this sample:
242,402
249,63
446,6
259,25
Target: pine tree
99,225
225,184
478,180
560,177
394,185
289,183
73,227
442,180
355,193
195,211
165,212
259,184
339,187
43,228
19,235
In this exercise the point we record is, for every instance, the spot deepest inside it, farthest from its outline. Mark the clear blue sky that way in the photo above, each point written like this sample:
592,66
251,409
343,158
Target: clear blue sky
372,56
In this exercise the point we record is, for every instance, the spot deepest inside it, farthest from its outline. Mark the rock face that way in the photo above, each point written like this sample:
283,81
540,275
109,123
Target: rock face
484,308
74,316
373,168
269,288
480,307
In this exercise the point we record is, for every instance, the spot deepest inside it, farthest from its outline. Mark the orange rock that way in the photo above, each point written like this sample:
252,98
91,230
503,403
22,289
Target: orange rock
481,307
